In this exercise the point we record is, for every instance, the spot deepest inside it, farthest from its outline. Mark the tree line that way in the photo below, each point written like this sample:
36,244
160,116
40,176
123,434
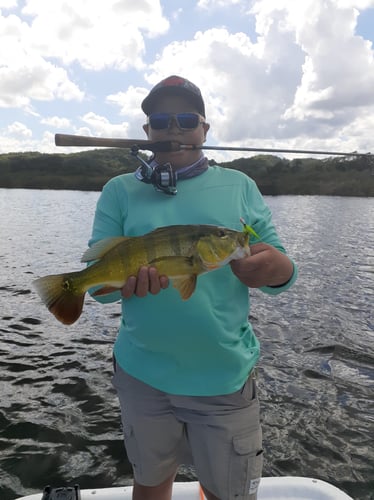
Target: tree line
90,170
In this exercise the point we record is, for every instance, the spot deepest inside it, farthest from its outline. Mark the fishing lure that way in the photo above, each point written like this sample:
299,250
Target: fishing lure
247,229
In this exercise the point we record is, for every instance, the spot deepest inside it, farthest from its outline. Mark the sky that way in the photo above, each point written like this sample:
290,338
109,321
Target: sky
273,73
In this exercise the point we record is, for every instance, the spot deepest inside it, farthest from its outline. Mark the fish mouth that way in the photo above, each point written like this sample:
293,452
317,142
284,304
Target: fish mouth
238,253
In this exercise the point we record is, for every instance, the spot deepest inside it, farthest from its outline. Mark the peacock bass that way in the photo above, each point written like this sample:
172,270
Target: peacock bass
181,252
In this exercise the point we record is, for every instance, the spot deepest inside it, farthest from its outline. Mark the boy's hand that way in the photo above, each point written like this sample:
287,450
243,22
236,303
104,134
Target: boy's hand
147,281
266,266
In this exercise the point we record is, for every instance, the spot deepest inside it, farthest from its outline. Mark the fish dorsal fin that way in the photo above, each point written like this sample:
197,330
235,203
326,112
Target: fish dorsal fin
99,249
185,286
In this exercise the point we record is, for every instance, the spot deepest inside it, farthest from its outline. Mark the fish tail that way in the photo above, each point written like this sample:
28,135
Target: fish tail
61,297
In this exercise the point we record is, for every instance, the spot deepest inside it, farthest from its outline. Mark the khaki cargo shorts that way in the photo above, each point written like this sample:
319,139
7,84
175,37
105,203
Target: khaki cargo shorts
220,435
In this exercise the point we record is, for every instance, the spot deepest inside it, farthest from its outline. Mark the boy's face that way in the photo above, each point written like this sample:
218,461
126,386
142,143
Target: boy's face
197,136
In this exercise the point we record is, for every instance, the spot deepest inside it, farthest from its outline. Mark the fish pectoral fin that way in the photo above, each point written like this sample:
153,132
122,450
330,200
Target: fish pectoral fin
211,266
185,286
105,290
99,249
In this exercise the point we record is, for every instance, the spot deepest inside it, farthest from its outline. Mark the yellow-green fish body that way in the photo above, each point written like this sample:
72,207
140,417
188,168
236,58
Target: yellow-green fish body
180,252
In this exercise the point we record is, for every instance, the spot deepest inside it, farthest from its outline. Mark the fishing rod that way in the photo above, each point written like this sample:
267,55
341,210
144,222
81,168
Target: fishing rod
168,146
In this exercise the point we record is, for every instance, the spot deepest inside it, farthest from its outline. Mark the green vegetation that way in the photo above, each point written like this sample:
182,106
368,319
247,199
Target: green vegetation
84,171
334,176
89,170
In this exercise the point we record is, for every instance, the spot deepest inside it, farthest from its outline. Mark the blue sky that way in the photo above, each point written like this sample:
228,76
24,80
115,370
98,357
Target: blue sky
274,73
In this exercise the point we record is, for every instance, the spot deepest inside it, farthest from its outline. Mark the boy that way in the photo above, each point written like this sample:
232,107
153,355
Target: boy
184,369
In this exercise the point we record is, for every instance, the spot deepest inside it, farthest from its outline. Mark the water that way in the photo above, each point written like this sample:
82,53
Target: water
59,417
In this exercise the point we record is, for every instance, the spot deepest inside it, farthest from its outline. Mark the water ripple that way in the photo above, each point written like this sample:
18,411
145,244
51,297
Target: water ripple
59,416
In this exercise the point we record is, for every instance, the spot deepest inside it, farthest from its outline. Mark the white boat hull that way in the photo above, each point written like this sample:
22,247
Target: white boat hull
271,488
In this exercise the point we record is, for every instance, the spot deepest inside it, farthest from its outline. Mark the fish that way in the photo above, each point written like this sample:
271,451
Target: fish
181,252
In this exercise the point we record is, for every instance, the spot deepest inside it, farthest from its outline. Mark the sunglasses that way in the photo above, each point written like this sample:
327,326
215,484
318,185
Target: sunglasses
184,121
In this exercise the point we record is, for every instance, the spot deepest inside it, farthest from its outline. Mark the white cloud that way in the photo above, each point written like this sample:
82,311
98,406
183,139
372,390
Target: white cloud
17,137
307,74
101,126
56,122
357,4
128,104
19,130
247,86
95,35
217,4
129,101
24,74
304,78
50,35
338,74
7,4
34,79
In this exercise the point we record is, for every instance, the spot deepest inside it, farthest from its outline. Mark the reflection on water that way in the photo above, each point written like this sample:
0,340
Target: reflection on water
59,417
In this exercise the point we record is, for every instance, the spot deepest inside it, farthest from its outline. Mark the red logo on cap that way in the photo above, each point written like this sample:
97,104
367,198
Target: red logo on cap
173,81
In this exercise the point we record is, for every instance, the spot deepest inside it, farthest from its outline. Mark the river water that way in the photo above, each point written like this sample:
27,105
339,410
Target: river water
59,417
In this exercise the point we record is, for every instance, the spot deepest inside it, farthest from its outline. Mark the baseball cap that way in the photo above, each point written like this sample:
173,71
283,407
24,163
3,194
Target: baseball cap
174,85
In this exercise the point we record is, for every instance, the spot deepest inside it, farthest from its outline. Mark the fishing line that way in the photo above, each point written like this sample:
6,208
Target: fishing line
274,150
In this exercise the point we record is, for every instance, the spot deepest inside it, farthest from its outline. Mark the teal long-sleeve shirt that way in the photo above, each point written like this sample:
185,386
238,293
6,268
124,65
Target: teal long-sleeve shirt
205,345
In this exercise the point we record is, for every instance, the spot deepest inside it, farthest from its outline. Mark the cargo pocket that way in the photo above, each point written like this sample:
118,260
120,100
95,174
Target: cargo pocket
246,466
